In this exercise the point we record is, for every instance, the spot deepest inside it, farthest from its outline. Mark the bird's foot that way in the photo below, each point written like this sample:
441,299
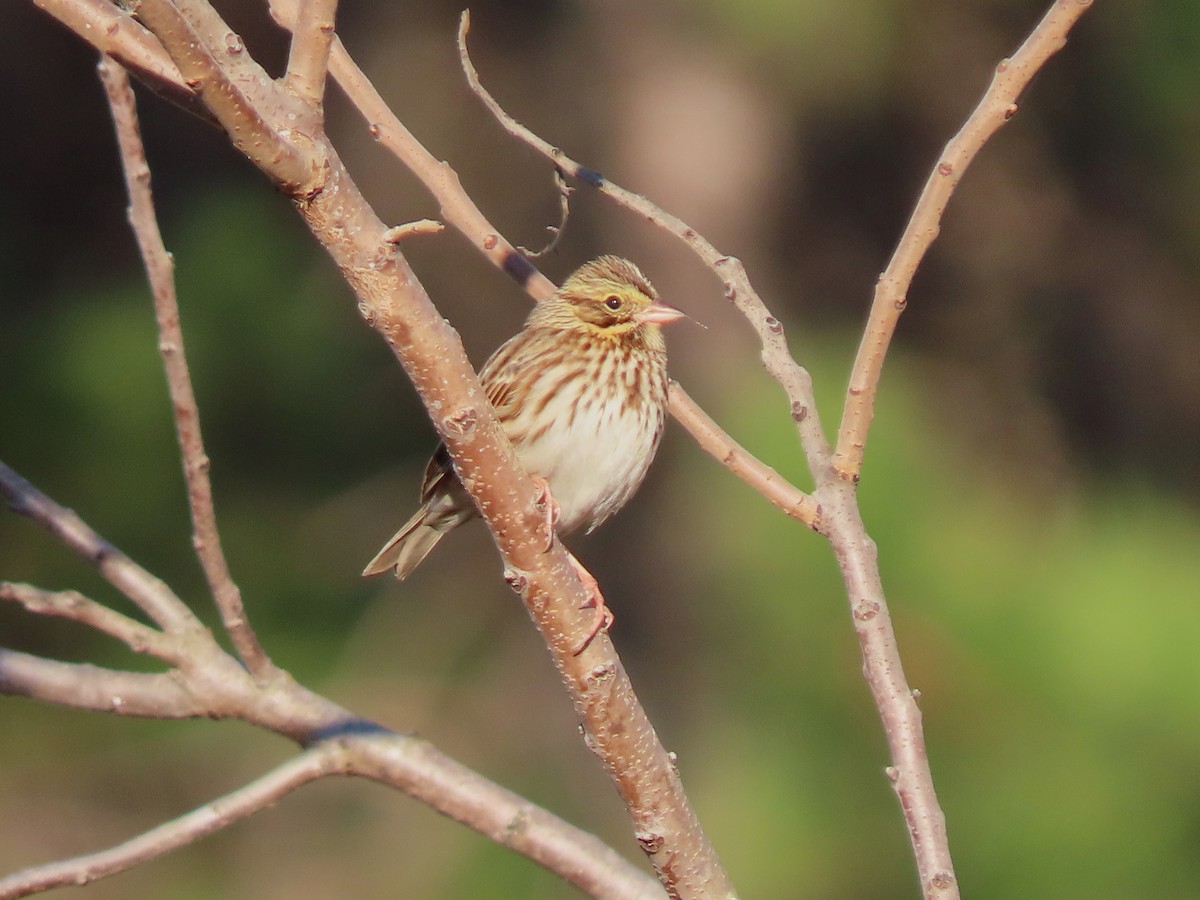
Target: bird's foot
595,600
546,501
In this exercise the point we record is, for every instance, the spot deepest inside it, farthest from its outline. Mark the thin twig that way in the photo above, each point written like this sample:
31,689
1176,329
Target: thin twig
160,270
439,178
153,695
999,104
564,212
75,606
310,765
153,597
796,503
399,233
308,59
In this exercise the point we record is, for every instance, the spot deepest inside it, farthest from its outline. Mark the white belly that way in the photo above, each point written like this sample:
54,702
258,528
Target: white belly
594,458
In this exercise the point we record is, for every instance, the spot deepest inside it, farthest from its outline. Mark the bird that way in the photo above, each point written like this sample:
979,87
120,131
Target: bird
581,392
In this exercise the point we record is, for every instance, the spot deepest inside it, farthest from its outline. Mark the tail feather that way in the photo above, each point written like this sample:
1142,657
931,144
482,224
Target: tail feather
407,548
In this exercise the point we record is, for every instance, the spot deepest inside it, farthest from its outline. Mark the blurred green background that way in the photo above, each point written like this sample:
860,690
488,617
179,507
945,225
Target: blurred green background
1032,477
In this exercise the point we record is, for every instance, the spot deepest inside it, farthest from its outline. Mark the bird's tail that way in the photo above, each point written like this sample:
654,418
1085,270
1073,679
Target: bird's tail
408,546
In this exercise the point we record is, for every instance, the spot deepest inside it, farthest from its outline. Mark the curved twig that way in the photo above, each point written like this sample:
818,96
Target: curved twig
78,608
150,594
999,104
160,269
162,839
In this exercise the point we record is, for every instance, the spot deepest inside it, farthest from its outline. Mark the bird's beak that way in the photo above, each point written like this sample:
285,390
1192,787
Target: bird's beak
659,314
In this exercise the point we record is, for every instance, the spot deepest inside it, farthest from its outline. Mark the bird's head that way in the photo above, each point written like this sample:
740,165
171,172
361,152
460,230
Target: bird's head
608,297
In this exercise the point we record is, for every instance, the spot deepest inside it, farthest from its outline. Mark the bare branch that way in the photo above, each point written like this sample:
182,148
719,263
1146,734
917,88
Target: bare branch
615,725
114,32
250,110
160,269
564,212
420,770
153,597
399,233
999,104
744,465
308,60
442,181
201,822
158,695
78,608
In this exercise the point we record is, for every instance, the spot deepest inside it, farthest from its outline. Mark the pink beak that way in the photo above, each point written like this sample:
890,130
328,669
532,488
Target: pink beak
659,314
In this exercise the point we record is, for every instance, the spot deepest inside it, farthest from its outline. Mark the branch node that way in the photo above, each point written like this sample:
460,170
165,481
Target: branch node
517,579
461,424
650,842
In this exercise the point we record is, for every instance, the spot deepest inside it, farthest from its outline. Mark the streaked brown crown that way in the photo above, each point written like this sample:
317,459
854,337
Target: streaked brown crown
601,297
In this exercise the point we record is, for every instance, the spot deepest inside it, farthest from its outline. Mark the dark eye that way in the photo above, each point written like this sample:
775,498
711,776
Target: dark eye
614,302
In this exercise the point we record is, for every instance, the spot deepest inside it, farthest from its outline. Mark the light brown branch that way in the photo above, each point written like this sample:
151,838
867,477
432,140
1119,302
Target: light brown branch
160,269
153,597
421,771
999,104
796,503
399,233
248,107
308,59
114,32
158,695
220,813
615,725
441,180
78,608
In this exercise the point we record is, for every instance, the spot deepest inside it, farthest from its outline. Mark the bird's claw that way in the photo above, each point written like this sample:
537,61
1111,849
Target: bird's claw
546,501
595,600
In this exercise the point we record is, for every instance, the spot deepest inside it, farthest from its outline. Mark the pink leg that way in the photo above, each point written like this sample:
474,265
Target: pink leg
546,499
604,617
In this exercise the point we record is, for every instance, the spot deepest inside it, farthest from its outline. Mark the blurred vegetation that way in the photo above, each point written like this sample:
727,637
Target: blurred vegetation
1032,477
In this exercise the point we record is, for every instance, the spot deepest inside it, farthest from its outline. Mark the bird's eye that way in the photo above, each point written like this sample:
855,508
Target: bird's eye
613,302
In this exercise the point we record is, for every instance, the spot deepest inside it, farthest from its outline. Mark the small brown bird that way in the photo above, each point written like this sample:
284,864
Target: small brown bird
581,392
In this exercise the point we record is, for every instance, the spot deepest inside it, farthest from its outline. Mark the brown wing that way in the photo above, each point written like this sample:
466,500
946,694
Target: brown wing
437,471
499,382
500,373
